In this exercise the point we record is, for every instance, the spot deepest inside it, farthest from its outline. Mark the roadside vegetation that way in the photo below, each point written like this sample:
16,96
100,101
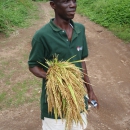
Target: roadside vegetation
17,85
16,14
112,14
14,90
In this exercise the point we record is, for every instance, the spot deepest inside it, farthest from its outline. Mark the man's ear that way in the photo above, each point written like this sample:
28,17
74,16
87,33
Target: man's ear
52,4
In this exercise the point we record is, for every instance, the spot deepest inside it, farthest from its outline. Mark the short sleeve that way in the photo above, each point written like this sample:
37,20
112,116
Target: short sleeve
36,54
85,47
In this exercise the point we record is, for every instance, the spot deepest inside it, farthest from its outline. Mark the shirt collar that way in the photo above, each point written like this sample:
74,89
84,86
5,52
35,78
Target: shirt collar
55,28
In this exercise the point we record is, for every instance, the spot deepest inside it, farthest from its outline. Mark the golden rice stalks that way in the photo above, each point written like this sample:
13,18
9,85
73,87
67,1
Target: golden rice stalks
65,91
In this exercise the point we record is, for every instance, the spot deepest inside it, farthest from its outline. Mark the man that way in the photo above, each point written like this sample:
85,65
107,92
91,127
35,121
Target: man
63,37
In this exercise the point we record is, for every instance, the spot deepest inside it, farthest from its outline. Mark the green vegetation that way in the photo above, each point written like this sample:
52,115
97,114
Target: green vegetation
15,14
20,93
114,15
15,90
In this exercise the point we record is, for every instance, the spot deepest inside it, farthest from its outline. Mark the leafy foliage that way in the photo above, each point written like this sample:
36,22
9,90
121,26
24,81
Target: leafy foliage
108,13
14,13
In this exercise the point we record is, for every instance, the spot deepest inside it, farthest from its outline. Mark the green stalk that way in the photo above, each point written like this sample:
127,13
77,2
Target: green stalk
73,95
42,64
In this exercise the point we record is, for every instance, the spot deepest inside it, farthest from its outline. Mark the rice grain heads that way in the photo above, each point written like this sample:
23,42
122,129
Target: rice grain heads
65,91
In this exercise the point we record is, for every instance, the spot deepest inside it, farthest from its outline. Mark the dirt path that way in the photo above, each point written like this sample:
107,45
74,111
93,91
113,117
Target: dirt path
108,65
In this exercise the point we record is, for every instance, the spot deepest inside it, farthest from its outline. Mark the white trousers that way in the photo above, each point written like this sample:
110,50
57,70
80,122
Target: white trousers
52,124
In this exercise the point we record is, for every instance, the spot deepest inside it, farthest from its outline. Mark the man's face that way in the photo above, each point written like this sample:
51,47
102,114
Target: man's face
65,8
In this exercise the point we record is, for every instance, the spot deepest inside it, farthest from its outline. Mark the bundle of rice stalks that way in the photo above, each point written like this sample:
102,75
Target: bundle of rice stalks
65,91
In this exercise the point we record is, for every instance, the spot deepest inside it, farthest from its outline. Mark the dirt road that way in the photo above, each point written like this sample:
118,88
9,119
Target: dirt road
108,67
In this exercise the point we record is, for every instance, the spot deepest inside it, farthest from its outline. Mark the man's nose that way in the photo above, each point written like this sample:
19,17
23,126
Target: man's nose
72,3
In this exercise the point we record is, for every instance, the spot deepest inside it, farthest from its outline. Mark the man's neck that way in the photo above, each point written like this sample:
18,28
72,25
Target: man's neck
63,24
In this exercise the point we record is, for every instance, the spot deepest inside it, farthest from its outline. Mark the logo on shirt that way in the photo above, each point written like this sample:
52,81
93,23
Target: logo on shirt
79,48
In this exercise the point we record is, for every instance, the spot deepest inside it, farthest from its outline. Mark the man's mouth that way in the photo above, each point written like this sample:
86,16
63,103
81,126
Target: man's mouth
72,12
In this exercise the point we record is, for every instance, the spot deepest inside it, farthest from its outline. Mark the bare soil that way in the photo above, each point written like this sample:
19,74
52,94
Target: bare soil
108,66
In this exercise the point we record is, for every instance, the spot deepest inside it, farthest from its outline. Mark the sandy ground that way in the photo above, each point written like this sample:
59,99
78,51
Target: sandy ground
108,66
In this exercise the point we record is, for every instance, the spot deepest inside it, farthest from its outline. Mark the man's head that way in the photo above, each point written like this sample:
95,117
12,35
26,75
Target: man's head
64,9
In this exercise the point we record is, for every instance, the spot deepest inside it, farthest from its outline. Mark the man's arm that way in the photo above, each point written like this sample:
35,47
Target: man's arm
91,93
38,72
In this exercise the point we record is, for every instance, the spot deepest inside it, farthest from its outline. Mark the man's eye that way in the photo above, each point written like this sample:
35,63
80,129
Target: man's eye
74,1
66,1
63,0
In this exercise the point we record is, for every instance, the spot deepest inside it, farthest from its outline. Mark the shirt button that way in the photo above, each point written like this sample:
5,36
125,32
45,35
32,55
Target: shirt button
67,40
63,31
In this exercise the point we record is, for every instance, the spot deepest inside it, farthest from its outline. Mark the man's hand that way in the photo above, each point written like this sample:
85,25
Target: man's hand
92,96
89,88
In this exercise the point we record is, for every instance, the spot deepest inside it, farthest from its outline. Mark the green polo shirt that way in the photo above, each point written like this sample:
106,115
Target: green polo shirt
50,40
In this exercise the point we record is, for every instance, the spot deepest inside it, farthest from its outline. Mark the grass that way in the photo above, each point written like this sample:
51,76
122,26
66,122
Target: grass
21,92
16,14
18,85
114,15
